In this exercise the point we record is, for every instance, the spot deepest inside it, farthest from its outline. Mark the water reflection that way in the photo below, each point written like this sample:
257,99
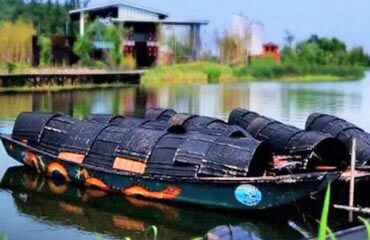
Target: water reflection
56,203
57,211
289,102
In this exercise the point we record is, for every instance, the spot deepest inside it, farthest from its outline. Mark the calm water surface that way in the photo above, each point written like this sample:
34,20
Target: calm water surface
29,210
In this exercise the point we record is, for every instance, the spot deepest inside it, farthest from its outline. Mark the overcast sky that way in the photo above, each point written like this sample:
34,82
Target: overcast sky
345,19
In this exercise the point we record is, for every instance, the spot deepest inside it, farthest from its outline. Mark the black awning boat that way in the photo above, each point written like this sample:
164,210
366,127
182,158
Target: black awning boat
155,160
315,148
343,131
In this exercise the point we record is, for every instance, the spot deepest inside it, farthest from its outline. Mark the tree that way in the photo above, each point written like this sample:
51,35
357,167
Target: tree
289,55
233,48
114,34
83,48
357,56
45,51
289,38
181,51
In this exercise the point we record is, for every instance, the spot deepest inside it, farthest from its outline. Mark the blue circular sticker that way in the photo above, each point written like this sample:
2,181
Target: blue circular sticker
248,195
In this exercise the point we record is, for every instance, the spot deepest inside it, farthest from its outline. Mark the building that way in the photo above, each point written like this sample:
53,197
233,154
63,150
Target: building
146,25
271,50
252,31
256,38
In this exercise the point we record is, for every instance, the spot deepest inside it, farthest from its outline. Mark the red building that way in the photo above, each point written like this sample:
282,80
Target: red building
271,50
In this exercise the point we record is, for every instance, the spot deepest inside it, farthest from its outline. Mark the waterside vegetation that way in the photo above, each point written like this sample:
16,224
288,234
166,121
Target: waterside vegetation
315,59
259,70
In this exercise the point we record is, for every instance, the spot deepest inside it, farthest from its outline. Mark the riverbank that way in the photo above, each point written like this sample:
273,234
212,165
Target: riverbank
60,88
60,79
53,79
259,70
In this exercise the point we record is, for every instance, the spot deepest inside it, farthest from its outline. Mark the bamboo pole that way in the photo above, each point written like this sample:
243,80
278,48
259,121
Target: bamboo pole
352,180
353,209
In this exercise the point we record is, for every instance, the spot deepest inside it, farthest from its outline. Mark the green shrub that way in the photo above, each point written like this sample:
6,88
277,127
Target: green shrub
82,48
114,35
46,54
195,72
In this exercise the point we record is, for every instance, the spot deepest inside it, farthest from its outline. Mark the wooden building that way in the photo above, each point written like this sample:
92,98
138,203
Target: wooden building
146,24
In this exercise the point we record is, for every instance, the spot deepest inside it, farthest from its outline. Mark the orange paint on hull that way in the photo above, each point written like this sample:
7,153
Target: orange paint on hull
59,168
94,182
30,159
57,189
169,193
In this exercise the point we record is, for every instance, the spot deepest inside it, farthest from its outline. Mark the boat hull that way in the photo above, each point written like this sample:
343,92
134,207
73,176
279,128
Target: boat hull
233,193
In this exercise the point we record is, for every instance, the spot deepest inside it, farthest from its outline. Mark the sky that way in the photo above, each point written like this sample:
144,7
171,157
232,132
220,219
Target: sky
344,19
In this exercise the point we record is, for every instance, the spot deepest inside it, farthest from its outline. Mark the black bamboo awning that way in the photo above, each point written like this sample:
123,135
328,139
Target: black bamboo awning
144,146
343,131
288,140
195,123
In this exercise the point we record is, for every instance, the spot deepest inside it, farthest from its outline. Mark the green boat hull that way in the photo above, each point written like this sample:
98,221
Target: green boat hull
115,215
227,193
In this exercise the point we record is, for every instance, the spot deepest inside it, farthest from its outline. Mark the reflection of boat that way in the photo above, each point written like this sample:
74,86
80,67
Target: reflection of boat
150,159
95,211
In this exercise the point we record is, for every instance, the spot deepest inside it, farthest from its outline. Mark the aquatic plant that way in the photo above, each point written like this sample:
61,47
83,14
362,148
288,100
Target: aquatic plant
367,225
323,229
152,229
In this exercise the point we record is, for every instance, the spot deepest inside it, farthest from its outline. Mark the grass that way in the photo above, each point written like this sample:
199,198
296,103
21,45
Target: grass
259,69
195,72
262,69
57,88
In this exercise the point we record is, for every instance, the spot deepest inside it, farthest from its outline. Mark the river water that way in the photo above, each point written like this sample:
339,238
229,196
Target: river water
34,213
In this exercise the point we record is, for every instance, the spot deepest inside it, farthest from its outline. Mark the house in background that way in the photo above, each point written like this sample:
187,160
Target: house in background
271,50
147,25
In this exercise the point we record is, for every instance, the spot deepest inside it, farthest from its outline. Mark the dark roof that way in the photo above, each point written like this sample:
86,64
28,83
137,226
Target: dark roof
271,44
116,4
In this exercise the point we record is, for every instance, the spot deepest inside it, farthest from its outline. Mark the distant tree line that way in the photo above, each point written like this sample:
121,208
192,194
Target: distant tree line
49,17
324,52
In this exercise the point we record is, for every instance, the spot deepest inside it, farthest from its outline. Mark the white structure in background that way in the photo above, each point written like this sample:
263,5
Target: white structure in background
253,31
256,38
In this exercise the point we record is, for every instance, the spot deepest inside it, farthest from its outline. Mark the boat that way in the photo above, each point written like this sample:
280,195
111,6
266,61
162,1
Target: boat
345,132
311,146
67,205
159,161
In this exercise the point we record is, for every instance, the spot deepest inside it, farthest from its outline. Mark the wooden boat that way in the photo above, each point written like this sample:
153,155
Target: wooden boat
345,132
96,211
151,160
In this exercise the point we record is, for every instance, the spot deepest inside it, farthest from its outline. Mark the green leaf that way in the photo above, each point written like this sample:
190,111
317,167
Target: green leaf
331,234
153,229
324,215
367,225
